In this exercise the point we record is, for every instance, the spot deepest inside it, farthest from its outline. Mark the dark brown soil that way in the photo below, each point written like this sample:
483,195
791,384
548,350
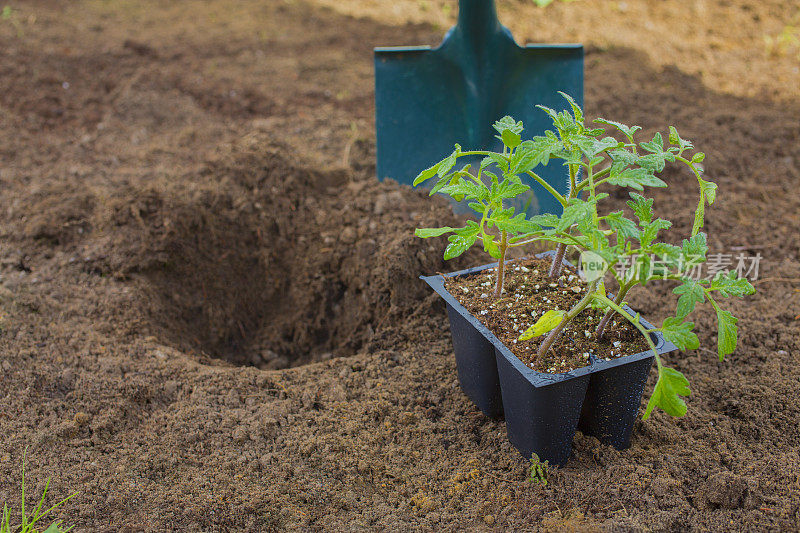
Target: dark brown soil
210,313
529,293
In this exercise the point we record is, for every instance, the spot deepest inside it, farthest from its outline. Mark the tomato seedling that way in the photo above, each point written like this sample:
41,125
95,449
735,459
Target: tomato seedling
606,239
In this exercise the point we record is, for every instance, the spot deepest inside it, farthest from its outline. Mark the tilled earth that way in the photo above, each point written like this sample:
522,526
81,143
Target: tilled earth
210,317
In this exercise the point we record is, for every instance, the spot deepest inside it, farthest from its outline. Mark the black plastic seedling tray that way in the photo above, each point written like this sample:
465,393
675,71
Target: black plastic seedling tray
543,411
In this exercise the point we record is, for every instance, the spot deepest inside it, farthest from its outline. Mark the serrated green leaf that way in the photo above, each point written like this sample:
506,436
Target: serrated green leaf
576,109
655,162
449,162
655,146
698,157
691,293
518,224
550,112
642,207
726,333
425,233
462,240
675,139
509,189
624,227
635,178
590,146
628,131
546,323
695,248
466,188
671,385
669,254
731,284
576,211
709,190
534,152
680,333
699,216
650,231
426,174
546,219
508,123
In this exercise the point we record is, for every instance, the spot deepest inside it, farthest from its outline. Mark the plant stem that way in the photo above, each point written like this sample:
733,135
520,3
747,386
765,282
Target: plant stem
558,260
572,313
501,265
550,189
636,324
601,327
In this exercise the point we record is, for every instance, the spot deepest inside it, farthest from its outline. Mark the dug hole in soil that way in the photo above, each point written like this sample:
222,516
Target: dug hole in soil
259,262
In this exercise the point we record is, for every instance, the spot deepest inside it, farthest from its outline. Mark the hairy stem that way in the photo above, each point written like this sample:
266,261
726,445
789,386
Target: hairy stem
558,257
558,261
601,327
501,265
555,333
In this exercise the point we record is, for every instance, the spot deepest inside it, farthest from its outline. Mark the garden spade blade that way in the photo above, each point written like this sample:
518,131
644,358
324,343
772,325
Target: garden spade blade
427,99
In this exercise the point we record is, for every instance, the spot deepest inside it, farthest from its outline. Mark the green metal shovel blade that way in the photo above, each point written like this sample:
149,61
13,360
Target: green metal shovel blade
427,99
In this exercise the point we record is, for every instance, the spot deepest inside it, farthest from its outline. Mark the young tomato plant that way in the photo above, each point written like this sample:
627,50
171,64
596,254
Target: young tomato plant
595,163
499,228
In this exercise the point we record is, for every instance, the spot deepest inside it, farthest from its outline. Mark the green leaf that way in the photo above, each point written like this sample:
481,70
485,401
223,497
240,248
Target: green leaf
635,178
698,157
699,216
590,146
518,224
448,163
425,233
509,188
669,254
709,190
625,228
642,207
671,385
550,112
576,109
726,333
650,231
490,246
675,139
655,162
534,152
510,138
656,146
426,174
692,293
508,123
628,131
466,188
680,333
462,240
546,219
545,324
731,284
576,211
694,249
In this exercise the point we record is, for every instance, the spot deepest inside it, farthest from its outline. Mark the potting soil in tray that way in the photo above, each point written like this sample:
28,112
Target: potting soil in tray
528,293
